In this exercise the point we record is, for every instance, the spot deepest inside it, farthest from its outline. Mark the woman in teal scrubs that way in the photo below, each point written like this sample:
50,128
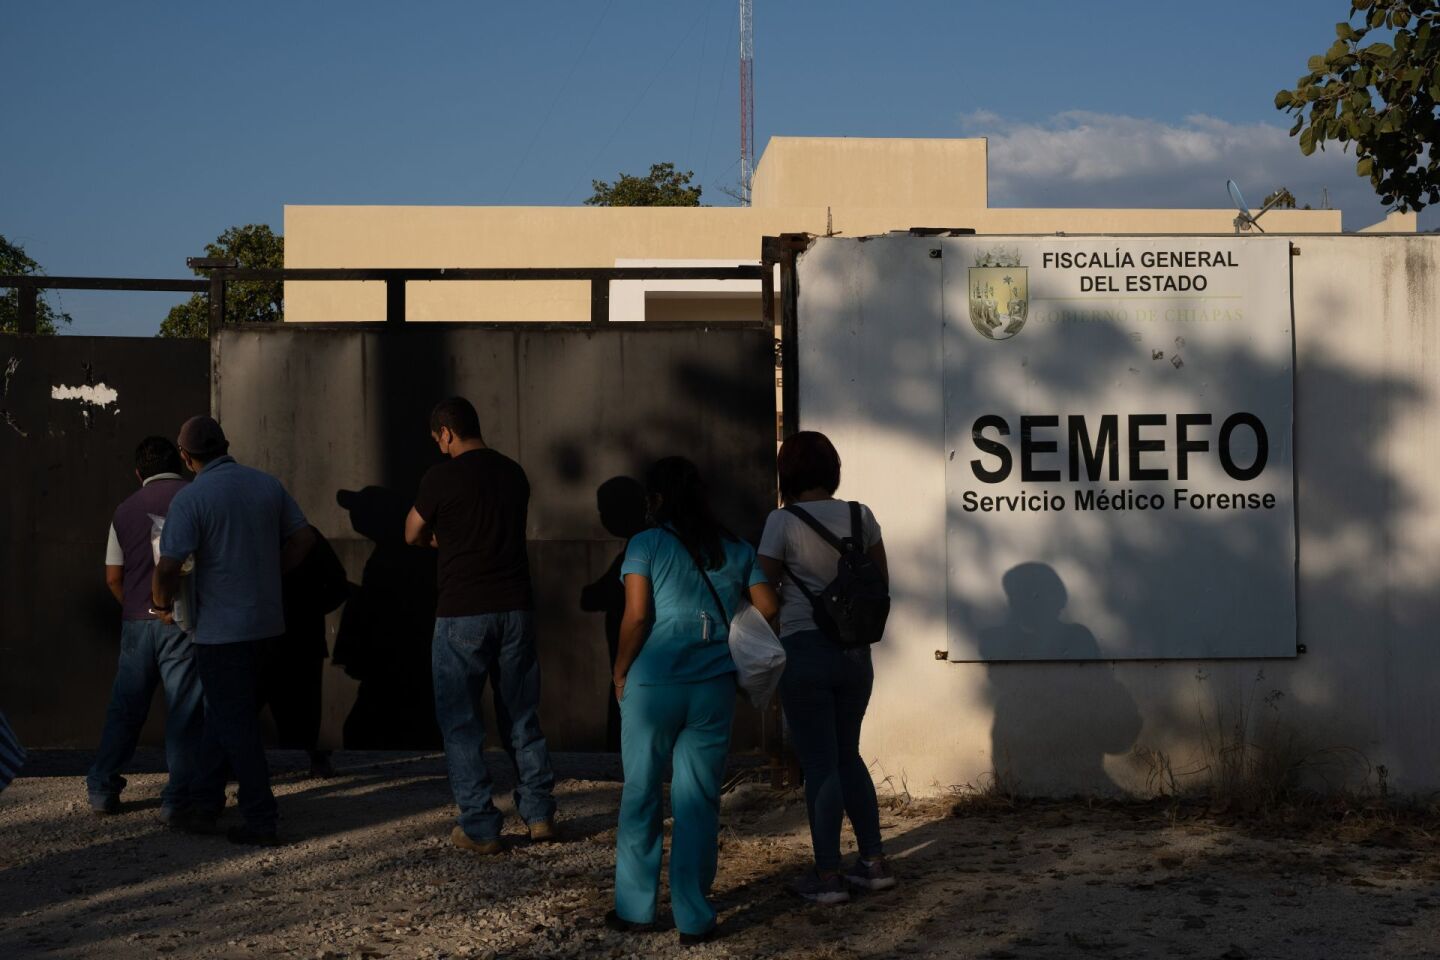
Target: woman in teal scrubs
676,685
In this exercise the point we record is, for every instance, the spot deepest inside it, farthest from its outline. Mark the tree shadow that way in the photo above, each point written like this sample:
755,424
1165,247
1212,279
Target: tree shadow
874,376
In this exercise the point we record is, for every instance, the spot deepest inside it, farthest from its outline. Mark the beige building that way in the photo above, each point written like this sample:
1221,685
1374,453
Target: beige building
840,185
1366,400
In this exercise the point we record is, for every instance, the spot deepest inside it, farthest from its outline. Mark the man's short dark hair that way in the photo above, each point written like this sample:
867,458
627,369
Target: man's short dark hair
156,455
203,439
807,461
459,415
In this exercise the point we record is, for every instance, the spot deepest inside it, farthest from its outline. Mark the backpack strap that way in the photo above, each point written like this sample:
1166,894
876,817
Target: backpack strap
835,542
796,580
818,527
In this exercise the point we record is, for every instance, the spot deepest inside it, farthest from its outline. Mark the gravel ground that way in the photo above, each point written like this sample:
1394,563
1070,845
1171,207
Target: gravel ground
368,872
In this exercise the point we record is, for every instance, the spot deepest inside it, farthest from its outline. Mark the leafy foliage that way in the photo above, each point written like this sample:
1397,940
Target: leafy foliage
664,187
246,301
1282,199
1379,96
14,260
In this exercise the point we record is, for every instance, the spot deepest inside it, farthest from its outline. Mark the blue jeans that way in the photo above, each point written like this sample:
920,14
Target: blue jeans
151,654
230,678
465,652
825,690
688,726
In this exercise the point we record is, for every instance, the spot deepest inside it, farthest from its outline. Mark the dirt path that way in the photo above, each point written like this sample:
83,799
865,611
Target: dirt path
368,873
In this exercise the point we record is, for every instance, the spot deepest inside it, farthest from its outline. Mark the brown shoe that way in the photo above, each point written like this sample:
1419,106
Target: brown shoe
484,847
544,831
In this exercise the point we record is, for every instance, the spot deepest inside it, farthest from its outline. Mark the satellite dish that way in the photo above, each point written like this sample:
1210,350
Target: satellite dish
1244,220
1237,197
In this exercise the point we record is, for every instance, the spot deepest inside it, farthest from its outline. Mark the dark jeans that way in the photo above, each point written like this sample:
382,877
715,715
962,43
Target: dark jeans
465,652
825,691
230,675
151,654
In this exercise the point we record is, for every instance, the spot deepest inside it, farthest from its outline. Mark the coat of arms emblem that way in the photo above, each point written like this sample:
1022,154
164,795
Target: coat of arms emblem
999,294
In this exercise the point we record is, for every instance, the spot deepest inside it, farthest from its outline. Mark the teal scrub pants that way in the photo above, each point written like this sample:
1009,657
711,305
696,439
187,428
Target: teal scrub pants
691,723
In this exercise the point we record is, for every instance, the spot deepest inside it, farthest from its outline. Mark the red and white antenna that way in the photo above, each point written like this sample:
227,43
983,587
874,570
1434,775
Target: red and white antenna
747,96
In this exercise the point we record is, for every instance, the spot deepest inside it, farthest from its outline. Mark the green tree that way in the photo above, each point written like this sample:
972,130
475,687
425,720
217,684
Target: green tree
1280,199
14,260
664,187
255,246
1379,96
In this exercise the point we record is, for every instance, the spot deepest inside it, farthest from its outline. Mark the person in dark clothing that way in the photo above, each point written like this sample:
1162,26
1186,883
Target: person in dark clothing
473,509
385,631
292,665
621,501
152,653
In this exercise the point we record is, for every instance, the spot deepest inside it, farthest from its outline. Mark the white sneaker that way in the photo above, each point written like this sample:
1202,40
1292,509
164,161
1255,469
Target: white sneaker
817,889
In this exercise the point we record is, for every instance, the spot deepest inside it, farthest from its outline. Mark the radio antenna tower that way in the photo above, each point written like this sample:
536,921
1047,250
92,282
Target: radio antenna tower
747,97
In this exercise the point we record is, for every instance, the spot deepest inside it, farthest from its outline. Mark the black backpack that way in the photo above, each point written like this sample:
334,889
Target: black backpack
853,607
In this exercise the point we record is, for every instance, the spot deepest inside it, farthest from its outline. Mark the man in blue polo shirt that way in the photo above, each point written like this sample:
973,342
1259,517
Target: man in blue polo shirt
243,529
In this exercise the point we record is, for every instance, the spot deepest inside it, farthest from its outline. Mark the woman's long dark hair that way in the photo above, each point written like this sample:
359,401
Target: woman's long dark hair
685,507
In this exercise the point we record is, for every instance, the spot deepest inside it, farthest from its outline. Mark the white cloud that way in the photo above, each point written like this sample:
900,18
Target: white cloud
1081,159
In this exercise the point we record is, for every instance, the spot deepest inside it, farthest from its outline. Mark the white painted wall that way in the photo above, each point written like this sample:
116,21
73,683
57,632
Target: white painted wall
628,297
1368,455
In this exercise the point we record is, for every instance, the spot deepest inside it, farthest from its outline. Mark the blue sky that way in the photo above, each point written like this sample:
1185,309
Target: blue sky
135,133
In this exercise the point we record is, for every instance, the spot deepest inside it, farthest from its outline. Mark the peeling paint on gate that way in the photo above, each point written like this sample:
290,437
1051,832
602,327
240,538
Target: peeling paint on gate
92,396
11,366
95,395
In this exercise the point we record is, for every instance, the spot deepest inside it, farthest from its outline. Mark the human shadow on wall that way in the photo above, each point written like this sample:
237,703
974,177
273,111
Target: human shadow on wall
1061,736
386,628
621,502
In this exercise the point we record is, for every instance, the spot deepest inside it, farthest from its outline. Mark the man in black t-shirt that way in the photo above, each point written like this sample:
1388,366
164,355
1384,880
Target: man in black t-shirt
473,508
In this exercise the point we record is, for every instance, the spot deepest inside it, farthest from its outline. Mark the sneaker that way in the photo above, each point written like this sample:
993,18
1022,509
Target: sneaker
818,888
485,847
872,875
544,831
252,836
105,806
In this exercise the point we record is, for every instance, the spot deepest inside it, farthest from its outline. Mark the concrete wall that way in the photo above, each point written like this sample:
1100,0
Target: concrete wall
345,408
1367,428
852,186
65,464
871,172
340,236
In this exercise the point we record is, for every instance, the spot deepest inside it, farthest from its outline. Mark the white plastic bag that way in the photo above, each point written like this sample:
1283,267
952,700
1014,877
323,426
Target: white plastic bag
184,601
759,657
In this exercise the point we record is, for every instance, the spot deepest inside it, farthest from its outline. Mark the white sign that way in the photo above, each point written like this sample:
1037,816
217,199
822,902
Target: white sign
1119,459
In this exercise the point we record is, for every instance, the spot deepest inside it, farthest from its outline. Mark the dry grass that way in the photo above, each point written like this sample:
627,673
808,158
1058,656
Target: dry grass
1253,769
995,792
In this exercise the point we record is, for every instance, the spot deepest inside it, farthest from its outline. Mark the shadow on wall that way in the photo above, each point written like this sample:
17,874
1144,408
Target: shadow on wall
385,630
1086,713
330,409
1366,588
